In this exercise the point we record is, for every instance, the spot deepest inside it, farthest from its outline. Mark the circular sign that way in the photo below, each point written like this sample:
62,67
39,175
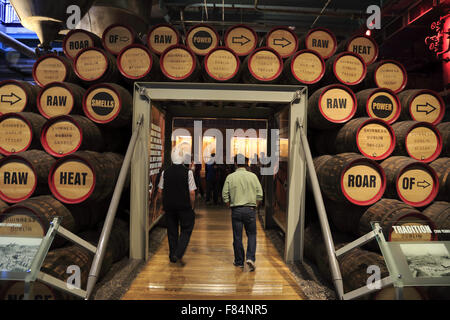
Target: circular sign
102,104
161,38
48,70
242,40
374,140
221,64
56,101
426,107
116,38
40,292
337,105
15,135
282,41
362,183
390,75
307,67
383,105
23,223
62,138
72,181
321,41
76,41
422,143
202,40
415,186
365,47
91,65
17,181
13,98
135,62
349,69
177,63
265,65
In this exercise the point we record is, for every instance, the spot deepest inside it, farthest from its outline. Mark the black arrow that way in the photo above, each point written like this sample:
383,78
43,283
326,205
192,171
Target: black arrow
428,108
242,40
281,42
423,184
12,98
124,39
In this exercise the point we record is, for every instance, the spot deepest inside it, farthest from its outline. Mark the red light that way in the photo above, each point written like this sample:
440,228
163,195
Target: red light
368,33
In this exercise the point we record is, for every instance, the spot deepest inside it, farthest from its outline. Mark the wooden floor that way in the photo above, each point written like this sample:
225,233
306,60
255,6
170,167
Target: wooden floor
209,272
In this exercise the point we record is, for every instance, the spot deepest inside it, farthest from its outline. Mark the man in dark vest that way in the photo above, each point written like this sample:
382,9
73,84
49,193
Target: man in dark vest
177,187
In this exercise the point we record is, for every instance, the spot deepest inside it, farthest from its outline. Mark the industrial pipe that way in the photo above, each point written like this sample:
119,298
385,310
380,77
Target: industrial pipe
17,45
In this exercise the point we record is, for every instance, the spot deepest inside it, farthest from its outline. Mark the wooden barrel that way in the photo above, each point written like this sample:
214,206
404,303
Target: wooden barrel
263,65
60,98
94,65
84,176
221,65
24,175
444,130
422,105
442,168
378,103
344,216
352,177
108,103
14,290
439,213
283,40
409,293
363,45
20,132
347,68
388,74
389,213
241,39
202,38
3,206
137,63
17,96
411,181
179,63
118,36
331,105
373,138
161,37
304,67
323,142
77,40
87,216
53,68
419,140
64,135
35,215
321,40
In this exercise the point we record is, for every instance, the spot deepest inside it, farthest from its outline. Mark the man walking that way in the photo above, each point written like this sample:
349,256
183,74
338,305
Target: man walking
242,192
177,187
211,180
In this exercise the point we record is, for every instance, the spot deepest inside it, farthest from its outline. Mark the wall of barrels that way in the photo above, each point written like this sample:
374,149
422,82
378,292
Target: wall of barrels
381,149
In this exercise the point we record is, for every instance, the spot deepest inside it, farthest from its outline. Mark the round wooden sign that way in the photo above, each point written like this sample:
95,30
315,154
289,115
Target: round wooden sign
56,100
177,63
117,37
13,98
383,105
283,41
75,41
322,41
427,106
91,64
222,64
307,67
49,69
349,69
365,46
375,140
135,62
408,229
61,137
265,65
201,39
391,75
23,223
72,181
15,135
423,144
162,37
416,186
241,39
362,183
337,105
102,104
40,292
17,180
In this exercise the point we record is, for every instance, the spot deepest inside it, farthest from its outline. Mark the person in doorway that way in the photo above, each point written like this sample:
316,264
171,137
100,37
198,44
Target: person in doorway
211,180
242,192
177,188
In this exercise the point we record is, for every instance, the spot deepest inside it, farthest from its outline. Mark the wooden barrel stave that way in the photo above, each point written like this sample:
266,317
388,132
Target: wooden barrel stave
442,168
18,96
439,213
444,130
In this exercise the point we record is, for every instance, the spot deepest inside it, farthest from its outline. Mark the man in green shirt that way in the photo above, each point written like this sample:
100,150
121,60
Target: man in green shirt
242,192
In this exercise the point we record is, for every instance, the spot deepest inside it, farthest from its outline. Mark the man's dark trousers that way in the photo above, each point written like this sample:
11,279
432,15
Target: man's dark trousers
186,220
244,217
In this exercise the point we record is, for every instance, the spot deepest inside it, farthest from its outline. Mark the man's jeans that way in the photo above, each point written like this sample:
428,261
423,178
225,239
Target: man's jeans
244,217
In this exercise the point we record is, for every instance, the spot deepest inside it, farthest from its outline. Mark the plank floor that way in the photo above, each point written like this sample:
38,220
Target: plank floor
209,272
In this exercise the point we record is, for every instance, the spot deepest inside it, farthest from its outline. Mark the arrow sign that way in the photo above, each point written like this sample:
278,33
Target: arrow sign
124,39
423,184
242,40
11,99
281,42
428,108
